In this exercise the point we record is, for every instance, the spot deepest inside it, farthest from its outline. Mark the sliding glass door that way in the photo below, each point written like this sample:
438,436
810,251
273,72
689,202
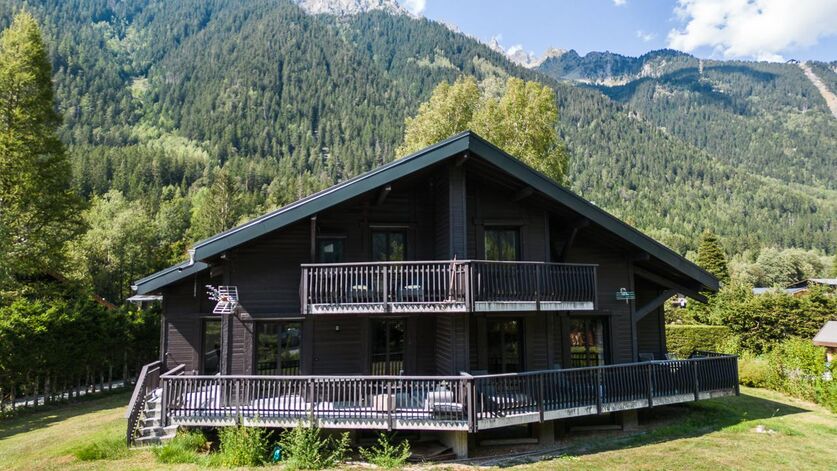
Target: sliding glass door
588,341
278,348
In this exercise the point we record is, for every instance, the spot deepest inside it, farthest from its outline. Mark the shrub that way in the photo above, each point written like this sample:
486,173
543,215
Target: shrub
106,449
756,372
243,446
386,454
183,448
305,447
685,339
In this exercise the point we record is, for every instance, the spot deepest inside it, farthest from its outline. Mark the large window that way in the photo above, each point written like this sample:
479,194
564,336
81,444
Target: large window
588,342
330,250
387,346
278,346
502,244
505,345
211,346
389,246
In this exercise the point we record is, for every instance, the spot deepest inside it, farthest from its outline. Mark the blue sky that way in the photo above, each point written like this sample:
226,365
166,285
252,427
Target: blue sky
724,29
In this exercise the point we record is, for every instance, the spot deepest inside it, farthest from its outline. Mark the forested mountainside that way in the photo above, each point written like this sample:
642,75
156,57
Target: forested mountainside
157,95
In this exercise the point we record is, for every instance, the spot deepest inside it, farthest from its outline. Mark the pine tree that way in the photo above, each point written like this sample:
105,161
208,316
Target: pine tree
38,209
711,256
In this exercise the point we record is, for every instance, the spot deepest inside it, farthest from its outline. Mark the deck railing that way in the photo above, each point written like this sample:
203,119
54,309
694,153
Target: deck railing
462,402
446,286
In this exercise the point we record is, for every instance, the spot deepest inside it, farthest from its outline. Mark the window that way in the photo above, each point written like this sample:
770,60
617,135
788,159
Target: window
389,246
505,345
587,342
387,346
502,244
278,346
329,250
211,341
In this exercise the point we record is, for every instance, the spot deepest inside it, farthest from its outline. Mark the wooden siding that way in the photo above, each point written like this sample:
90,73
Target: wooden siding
340,352
614,273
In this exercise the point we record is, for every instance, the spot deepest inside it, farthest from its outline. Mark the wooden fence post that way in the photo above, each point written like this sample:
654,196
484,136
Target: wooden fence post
650,387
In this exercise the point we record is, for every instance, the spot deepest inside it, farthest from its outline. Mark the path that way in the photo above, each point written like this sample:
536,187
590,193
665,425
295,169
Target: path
828,96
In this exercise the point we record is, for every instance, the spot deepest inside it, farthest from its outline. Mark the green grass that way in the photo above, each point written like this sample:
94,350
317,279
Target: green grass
709,435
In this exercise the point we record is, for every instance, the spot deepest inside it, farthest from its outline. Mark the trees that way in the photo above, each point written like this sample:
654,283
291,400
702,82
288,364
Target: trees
711,256
38,209
521,121
217,208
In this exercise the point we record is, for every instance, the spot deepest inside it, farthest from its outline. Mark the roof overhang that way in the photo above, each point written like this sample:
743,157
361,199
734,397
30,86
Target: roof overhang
827,336
435,154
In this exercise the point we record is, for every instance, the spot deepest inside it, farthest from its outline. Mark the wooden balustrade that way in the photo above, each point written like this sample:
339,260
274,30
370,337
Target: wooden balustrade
147,381
445,402
446,286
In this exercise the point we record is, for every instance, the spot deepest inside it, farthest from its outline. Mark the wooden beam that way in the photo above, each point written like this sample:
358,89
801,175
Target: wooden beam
382,195
641,257
691,291
653,304
523,193
313,236
576,226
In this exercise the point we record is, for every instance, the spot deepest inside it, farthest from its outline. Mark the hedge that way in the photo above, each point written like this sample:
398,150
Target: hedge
682,340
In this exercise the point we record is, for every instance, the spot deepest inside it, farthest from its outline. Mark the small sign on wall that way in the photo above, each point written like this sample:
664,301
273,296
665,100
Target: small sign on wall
625,295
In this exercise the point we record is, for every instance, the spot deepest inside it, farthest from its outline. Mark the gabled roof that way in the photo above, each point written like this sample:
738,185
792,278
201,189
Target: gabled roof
827,336
449,148
152,283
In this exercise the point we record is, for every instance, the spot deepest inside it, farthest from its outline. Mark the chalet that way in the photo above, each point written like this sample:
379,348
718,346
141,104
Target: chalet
448,293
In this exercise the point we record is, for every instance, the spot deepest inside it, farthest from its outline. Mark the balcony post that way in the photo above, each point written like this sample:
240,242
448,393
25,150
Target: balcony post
538,277
649,388
695,376
541,405
386,288
599,390
303,291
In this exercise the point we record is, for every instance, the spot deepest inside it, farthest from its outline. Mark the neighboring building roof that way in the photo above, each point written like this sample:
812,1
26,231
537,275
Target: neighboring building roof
760,291
145,298
827,336
816,281
466,141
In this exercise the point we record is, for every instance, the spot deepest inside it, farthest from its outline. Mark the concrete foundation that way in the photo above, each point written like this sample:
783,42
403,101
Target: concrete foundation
630,420
457,441
545,432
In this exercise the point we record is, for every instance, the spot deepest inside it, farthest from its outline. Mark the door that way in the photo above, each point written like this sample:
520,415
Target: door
210,346
505,345
278,348
588,341
388,338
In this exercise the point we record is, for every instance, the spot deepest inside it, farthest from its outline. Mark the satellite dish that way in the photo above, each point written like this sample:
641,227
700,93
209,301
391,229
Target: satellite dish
225,297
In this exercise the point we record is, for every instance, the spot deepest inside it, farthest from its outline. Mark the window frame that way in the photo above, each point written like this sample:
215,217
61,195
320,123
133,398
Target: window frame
518,246
282,325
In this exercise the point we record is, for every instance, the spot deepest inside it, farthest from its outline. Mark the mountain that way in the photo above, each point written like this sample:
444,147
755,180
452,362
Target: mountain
351,7
766,118
156,96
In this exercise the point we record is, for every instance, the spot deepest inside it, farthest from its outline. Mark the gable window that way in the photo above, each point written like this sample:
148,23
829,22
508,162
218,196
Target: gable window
588,342
211,346
278,346
387,346
502,243
389,245
330,250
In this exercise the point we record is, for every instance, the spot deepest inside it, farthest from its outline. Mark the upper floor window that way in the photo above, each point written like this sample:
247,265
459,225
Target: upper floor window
389,246
502,243
330,250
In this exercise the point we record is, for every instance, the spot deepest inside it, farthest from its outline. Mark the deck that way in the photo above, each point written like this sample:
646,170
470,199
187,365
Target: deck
446,286
448,403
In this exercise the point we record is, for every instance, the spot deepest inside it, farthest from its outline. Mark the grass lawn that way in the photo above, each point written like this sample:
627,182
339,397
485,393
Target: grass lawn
717,434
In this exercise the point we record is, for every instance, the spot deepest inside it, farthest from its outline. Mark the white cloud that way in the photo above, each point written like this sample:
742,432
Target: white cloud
415,7
760,29
645,36
619,3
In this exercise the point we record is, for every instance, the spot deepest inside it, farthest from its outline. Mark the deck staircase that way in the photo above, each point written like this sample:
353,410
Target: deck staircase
150,428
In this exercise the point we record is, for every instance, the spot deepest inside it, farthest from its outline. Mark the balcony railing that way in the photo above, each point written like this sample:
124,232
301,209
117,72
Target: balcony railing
446,286
442,402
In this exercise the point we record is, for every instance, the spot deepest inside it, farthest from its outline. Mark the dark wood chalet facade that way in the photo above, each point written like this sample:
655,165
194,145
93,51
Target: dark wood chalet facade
451,291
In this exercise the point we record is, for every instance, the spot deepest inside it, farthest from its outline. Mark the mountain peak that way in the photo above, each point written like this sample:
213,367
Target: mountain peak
351,7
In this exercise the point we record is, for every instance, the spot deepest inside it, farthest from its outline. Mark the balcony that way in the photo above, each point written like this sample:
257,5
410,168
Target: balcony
464,402
446,286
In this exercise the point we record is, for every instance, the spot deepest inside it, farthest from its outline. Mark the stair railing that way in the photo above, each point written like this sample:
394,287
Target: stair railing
147,381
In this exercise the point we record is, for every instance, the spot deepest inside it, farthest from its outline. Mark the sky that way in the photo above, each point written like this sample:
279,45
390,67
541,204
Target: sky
774,30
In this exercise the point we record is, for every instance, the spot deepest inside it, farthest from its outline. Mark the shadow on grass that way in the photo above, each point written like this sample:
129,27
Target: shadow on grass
32,419
665,423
